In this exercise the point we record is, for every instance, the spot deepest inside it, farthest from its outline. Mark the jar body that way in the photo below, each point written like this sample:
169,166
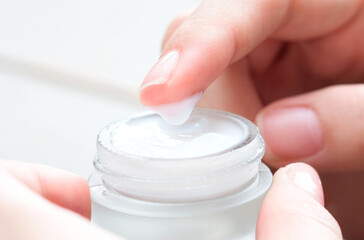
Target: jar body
216,219
203,180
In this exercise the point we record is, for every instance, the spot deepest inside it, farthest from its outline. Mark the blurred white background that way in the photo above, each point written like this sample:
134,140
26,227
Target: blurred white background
67,68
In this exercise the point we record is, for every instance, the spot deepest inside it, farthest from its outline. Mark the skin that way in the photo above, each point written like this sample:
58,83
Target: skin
257,72
255,58
42,203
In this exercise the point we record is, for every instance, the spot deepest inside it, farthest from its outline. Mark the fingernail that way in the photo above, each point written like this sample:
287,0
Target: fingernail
162,70
291,132
306,178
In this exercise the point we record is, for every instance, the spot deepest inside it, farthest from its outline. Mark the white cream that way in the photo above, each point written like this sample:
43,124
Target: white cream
177,113
200,136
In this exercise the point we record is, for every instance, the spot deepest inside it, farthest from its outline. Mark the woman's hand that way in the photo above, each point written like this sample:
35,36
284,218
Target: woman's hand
39,202
263,51
293,208
287,65
43,203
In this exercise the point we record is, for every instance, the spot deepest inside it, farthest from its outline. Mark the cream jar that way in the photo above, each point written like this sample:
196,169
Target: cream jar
201,180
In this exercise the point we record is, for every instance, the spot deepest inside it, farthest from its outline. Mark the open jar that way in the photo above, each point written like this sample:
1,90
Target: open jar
201,180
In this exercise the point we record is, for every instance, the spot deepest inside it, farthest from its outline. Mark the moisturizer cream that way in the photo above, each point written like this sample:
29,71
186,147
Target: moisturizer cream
177,113
203,134
200,180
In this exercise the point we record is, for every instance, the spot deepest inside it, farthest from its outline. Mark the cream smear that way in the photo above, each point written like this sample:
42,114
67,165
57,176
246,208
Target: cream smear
201,135
177,113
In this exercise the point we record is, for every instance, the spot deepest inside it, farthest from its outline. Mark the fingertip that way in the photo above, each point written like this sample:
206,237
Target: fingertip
269,157
65,189
174,79
204,50
317,127
153,93
306,177
82,198
291,133
293,207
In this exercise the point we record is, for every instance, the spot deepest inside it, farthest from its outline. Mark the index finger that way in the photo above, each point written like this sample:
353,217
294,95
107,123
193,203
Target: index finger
219,33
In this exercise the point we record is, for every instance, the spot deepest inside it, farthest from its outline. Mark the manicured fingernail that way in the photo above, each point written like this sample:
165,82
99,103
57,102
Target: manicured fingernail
291,132
162,70
305,177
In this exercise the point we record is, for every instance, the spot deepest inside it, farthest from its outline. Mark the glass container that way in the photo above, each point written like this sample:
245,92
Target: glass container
201,180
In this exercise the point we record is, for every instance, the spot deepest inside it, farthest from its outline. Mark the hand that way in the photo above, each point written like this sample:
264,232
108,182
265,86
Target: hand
273,61
293,207
39,202
42,203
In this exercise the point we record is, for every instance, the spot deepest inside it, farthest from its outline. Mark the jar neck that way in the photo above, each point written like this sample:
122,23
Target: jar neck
181,190
182,181
113,200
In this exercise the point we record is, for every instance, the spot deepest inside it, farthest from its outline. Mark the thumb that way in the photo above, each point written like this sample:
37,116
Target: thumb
57,186
323,128
293,207
27,215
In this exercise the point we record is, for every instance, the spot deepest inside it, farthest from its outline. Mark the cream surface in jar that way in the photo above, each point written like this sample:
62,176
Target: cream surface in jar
200,136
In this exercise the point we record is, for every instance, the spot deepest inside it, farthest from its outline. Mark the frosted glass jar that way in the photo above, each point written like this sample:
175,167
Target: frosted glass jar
202,180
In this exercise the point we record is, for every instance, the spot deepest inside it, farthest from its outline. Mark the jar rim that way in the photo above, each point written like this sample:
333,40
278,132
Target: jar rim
103,138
